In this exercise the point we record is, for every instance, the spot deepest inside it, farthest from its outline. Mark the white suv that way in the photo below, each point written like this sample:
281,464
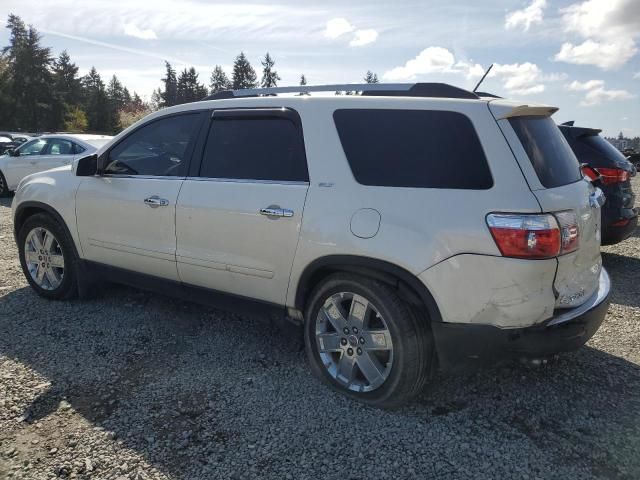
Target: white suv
407,228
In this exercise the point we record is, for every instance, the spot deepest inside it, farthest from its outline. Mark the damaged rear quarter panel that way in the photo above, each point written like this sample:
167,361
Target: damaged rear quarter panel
488,290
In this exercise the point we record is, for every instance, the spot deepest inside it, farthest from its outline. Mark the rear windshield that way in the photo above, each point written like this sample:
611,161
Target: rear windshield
413,148
604,148
550,154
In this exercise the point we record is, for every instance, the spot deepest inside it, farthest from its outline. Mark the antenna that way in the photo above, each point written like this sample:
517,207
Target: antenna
483,77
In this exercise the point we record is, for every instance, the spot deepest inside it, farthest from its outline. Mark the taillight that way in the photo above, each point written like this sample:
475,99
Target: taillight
569,231
524,235
535,235
609,176
589,172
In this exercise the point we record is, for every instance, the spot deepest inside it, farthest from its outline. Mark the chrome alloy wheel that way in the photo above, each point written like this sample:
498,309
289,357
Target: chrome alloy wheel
44,258
354,342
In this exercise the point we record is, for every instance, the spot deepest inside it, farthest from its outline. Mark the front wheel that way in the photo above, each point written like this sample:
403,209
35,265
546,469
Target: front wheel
366,342
47,257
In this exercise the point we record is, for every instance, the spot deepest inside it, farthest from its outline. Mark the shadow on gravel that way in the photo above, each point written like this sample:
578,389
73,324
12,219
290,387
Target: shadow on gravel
205,394
6,201
623,271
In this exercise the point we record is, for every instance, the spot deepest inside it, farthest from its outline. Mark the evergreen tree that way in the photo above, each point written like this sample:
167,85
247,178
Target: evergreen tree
96,103
189,89
270,77
75,120
371,77
219,81
303,80
244,76
67,90
170,94
29,80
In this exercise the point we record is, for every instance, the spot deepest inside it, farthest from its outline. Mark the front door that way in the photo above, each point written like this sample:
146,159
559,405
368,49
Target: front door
126,216
238,222
25,163
57,153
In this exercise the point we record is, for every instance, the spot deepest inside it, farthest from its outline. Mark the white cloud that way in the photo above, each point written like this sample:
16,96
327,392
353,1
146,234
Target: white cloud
636,75
577,86
596,92
336,27
600,95
605,55
517,78
527,16
609,29
132,30
429,60
363,37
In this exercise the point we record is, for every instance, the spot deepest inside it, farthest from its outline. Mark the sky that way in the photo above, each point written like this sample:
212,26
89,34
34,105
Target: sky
581,56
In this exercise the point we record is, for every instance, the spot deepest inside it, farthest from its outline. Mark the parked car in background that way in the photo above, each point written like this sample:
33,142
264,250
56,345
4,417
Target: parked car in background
43,153
370,221
612,173
6,142
634,158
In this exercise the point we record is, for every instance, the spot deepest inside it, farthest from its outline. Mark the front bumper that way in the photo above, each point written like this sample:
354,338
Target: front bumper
466,346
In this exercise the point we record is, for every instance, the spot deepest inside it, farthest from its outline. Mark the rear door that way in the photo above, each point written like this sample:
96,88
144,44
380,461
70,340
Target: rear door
239,215
554,176
58,152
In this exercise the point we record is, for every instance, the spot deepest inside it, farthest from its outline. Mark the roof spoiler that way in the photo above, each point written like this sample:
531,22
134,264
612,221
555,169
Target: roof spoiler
528,111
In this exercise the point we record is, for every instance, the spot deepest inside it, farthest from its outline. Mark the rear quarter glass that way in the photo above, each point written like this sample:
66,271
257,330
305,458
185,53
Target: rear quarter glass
549,152
413,148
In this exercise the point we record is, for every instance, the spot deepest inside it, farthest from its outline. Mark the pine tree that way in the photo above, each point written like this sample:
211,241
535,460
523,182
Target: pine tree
189,89
244,76
219,81
270,77
371,77
170,94
303,80
29,80
96,103
67,90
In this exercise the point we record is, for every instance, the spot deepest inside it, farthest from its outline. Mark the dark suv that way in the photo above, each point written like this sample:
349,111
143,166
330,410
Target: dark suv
610,171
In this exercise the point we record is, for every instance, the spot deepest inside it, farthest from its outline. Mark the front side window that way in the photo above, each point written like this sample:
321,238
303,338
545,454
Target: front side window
413,148
159,148
34,147
59,146
254,148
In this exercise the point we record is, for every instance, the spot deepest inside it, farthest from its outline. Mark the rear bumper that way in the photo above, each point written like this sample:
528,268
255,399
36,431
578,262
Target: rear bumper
466,346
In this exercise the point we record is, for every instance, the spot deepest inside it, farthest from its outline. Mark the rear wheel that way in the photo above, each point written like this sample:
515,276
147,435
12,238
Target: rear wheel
365,342
47,257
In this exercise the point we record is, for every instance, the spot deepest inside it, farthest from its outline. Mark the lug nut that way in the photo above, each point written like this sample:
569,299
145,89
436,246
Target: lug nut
349,351
343,341
361,340
355,330
346,331
359,351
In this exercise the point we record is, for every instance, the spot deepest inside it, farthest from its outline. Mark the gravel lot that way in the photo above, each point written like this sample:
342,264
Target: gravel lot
136,386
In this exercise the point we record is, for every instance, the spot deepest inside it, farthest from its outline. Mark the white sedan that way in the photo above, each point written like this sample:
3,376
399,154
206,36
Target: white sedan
44,153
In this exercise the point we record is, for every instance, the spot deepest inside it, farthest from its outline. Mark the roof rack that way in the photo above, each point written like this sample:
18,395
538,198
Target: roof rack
433,90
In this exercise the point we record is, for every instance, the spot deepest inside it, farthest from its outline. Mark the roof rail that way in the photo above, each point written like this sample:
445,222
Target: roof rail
434,90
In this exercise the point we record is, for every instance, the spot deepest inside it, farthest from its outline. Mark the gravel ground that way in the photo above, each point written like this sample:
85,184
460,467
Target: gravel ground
135,386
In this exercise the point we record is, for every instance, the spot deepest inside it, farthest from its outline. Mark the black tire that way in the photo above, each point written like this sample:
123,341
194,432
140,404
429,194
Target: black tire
413,349
4,188
68,287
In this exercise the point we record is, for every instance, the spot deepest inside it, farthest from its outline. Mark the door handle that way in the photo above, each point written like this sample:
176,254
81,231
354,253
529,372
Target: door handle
276,212
155,201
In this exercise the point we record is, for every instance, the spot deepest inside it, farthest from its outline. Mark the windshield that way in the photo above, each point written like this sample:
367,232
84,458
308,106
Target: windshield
548,150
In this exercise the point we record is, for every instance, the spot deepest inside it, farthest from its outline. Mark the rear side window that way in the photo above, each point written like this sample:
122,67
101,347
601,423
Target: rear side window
413,148
254,148
548,150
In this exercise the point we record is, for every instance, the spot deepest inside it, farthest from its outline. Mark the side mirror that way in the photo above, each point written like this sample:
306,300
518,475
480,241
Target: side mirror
87,166
14,152
102,163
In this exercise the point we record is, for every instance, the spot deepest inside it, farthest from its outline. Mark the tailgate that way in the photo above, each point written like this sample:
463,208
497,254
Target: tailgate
553,174
578,271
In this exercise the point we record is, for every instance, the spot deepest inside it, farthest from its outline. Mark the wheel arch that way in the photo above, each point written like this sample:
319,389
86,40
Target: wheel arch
30,208
409,287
